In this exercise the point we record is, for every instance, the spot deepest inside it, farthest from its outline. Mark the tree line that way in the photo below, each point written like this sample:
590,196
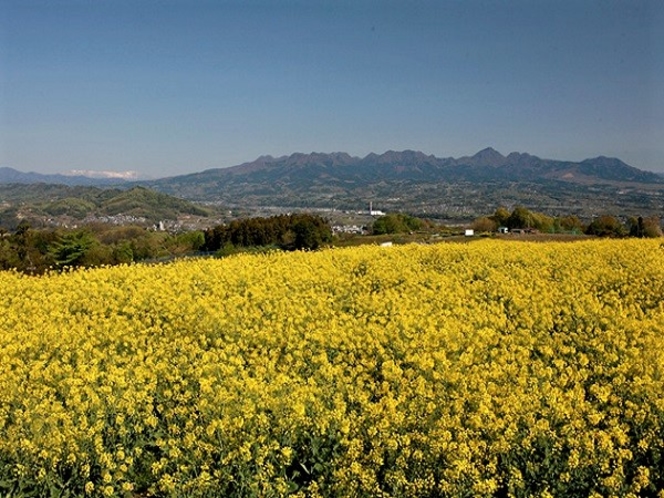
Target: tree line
393,223
602,226
35,251
38,250
288,231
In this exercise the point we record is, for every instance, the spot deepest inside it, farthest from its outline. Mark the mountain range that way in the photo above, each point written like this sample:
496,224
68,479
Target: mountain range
336,178
341,168
11,175
402,180
298,168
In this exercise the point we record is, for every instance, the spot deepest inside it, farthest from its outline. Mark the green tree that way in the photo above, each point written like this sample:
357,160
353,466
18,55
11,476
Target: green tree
542,222
122,253
30,248
644,227
8,257
520,218
606,226
21,240
311,232
388,224
72,248
396,223
569,224
500,217
306,236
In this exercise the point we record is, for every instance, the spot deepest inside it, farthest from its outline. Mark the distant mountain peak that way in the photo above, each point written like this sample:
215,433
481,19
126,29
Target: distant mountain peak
90,173
489,154
489,151
80,177
486,157
605,160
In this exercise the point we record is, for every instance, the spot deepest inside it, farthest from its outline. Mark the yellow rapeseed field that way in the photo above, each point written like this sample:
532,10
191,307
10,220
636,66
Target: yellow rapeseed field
484,369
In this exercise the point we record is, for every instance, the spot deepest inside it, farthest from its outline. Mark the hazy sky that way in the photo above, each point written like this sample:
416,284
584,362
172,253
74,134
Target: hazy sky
170,87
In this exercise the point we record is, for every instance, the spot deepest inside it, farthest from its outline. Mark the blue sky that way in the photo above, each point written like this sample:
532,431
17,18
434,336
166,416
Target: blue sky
171,87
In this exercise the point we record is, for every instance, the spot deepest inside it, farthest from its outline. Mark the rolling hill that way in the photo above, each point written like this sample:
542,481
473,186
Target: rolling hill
43,203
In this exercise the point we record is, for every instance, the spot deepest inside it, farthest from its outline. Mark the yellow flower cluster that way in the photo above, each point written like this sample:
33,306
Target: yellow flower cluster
484,369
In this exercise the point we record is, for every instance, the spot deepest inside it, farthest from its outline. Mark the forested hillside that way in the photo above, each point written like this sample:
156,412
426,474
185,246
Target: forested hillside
44,205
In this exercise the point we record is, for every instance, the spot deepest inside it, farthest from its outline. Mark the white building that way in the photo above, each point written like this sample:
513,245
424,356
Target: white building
373,212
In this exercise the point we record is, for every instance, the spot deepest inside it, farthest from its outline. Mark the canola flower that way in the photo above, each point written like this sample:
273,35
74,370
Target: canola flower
484,369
